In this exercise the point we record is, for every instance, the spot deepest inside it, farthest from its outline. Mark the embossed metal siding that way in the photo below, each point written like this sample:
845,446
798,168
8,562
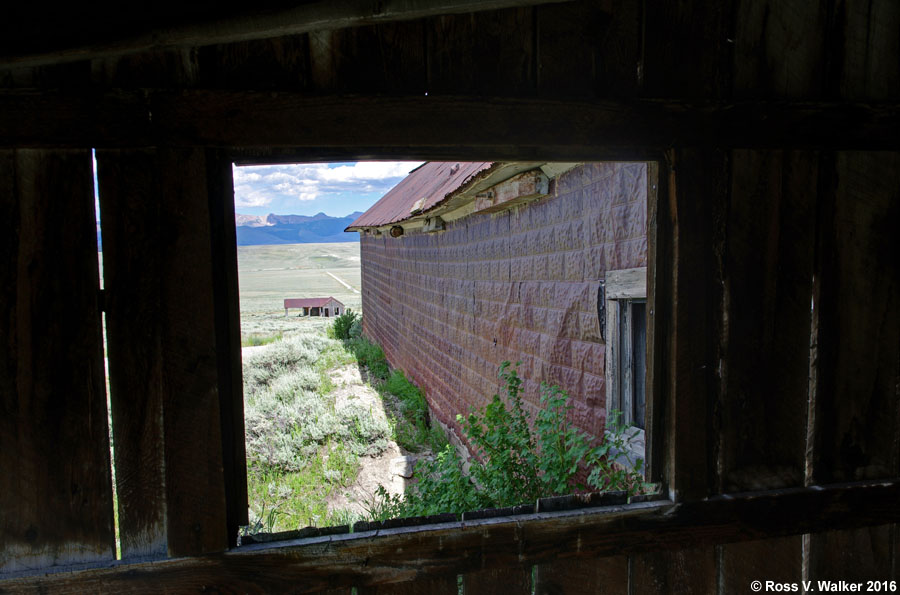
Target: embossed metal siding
520,285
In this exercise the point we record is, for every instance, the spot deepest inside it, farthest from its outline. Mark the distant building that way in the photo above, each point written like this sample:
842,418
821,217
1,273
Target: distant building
326,306
466,265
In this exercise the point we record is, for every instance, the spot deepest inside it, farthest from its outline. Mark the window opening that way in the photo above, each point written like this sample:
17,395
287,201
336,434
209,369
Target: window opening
310,436
625,312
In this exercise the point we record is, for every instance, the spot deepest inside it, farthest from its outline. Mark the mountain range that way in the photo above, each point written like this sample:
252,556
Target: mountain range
261,230
256,230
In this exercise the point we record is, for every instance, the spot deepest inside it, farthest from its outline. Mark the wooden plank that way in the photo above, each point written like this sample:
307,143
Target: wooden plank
472,126
867,50
419,586
568,49
659,276
388,58
626,283
383,556
180,25
458,47
779,49
164,366
686,50
279,63
681,571
779,560
602,576
858,368
171,66
698,191
857,414
56,501
515,581
132,222
768,285
228,339
853,555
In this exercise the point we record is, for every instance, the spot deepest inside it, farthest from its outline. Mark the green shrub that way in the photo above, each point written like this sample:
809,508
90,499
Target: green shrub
517,461
343,323
356,328
370,355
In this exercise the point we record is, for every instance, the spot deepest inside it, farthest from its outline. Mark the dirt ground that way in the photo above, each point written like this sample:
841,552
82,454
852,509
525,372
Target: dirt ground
373,470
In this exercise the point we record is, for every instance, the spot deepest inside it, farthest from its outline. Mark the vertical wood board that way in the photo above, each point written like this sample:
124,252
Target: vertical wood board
857,406
511,581
228,339
601,576
165,273
56,503
768,286
680,571
779,560
697,195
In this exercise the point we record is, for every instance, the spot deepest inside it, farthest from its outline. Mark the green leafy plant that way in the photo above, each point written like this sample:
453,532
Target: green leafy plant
614,467
519,458
343,323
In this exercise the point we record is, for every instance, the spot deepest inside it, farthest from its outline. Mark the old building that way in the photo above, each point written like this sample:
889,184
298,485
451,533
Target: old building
510,262
324,306
773,418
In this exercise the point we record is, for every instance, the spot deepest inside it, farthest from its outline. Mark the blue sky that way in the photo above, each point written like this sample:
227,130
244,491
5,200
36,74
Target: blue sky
335,189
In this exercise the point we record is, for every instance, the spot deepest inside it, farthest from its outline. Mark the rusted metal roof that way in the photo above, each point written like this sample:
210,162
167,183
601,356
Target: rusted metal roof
308,302
433,181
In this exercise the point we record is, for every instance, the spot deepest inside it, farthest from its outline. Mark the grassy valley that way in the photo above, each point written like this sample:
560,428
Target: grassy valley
269,274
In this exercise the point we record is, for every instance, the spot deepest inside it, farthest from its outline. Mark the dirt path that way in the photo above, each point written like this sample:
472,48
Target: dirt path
374,471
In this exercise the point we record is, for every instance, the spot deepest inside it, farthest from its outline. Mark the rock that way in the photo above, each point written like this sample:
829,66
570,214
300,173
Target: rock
403,466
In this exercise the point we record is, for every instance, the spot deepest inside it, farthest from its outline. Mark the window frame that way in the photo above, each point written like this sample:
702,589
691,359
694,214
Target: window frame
623,287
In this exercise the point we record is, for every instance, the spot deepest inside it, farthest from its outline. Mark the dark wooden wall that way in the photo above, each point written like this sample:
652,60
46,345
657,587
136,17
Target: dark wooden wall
774,284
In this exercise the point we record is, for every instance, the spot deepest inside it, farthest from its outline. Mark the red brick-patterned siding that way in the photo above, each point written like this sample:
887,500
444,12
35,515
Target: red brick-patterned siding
520,285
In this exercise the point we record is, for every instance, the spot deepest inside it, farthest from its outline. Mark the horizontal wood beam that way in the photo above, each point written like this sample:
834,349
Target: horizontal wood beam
408,553
425,126
100,32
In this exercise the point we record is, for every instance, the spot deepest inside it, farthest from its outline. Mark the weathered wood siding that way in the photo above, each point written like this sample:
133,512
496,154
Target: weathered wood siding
776,128
56,499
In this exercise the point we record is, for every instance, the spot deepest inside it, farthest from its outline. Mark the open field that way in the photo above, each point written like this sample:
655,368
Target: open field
269,274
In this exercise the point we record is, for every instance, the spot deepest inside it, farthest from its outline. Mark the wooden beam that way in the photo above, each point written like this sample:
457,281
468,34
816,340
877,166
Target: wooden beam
464,126
414,553
35,42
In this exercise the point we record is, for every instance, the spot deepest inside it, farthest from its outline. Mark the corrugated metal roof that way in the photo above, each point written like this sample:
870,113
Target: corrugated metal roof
433,181
308,302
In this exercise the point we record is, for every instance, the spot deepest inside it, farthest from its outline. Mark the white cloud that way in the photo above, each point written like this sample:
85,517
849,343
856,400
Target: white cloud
256,186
